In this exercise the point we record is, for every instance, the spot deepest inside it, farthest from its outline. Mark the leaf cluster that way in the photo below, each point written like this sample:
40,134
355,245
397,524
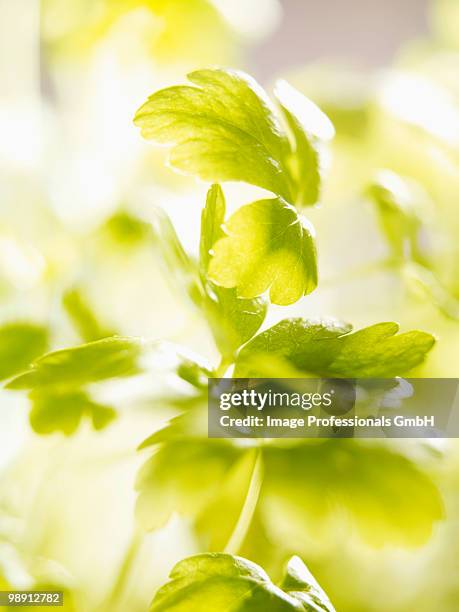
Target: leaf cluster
224,582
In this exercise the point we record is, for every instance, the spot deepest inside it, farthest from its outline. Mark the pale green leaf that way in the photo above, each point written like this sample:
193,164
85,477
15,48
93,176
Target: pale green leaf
233,319
299,582
381,494
310,129
407,221
219,524
225,128
268,246
179,267
327,348
316,486
190,424
81,365
182,476
20,343
57,383
83,317
218,581
212,219
404,215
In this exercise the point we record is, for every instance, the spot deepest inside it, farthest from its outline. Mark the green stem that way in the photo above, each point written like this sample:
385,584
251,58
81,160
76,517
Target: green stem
115,597
248,509
224,364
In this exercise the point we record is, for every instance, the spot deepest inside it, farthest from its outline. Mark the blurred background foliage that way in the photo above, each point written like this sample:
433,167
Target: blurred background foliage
82,257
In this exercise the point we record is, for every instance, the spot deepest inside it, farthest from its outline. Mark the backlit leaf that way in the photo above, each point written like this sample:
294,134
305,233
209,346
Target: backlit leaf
233,319
310,128
20,343
403,209
327,348
218,581
81,365
182,476
225,128
377,492
268,246
55,411
83,317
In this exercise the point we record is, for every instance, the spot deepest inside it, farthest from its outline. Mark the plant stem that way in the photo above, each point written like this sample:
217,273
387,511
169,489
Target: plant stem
248,509
224,364
115,596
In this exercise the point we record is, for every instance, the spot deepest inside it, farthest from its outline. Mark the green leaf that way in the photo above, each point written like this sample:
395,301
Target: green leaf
404,215
233,319
212,219
126,229
327,348
82,316
223,128
310,128
81,365
182,476
299,582
224,521
384,496
63,411
195,373
56,382
406,219
218,581
20,343
318,487
268,246
180,269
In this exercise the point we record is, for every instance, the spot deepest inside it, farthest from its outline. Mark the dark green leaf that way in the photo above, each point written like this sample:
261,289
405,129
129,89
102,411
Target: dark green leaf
327,348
